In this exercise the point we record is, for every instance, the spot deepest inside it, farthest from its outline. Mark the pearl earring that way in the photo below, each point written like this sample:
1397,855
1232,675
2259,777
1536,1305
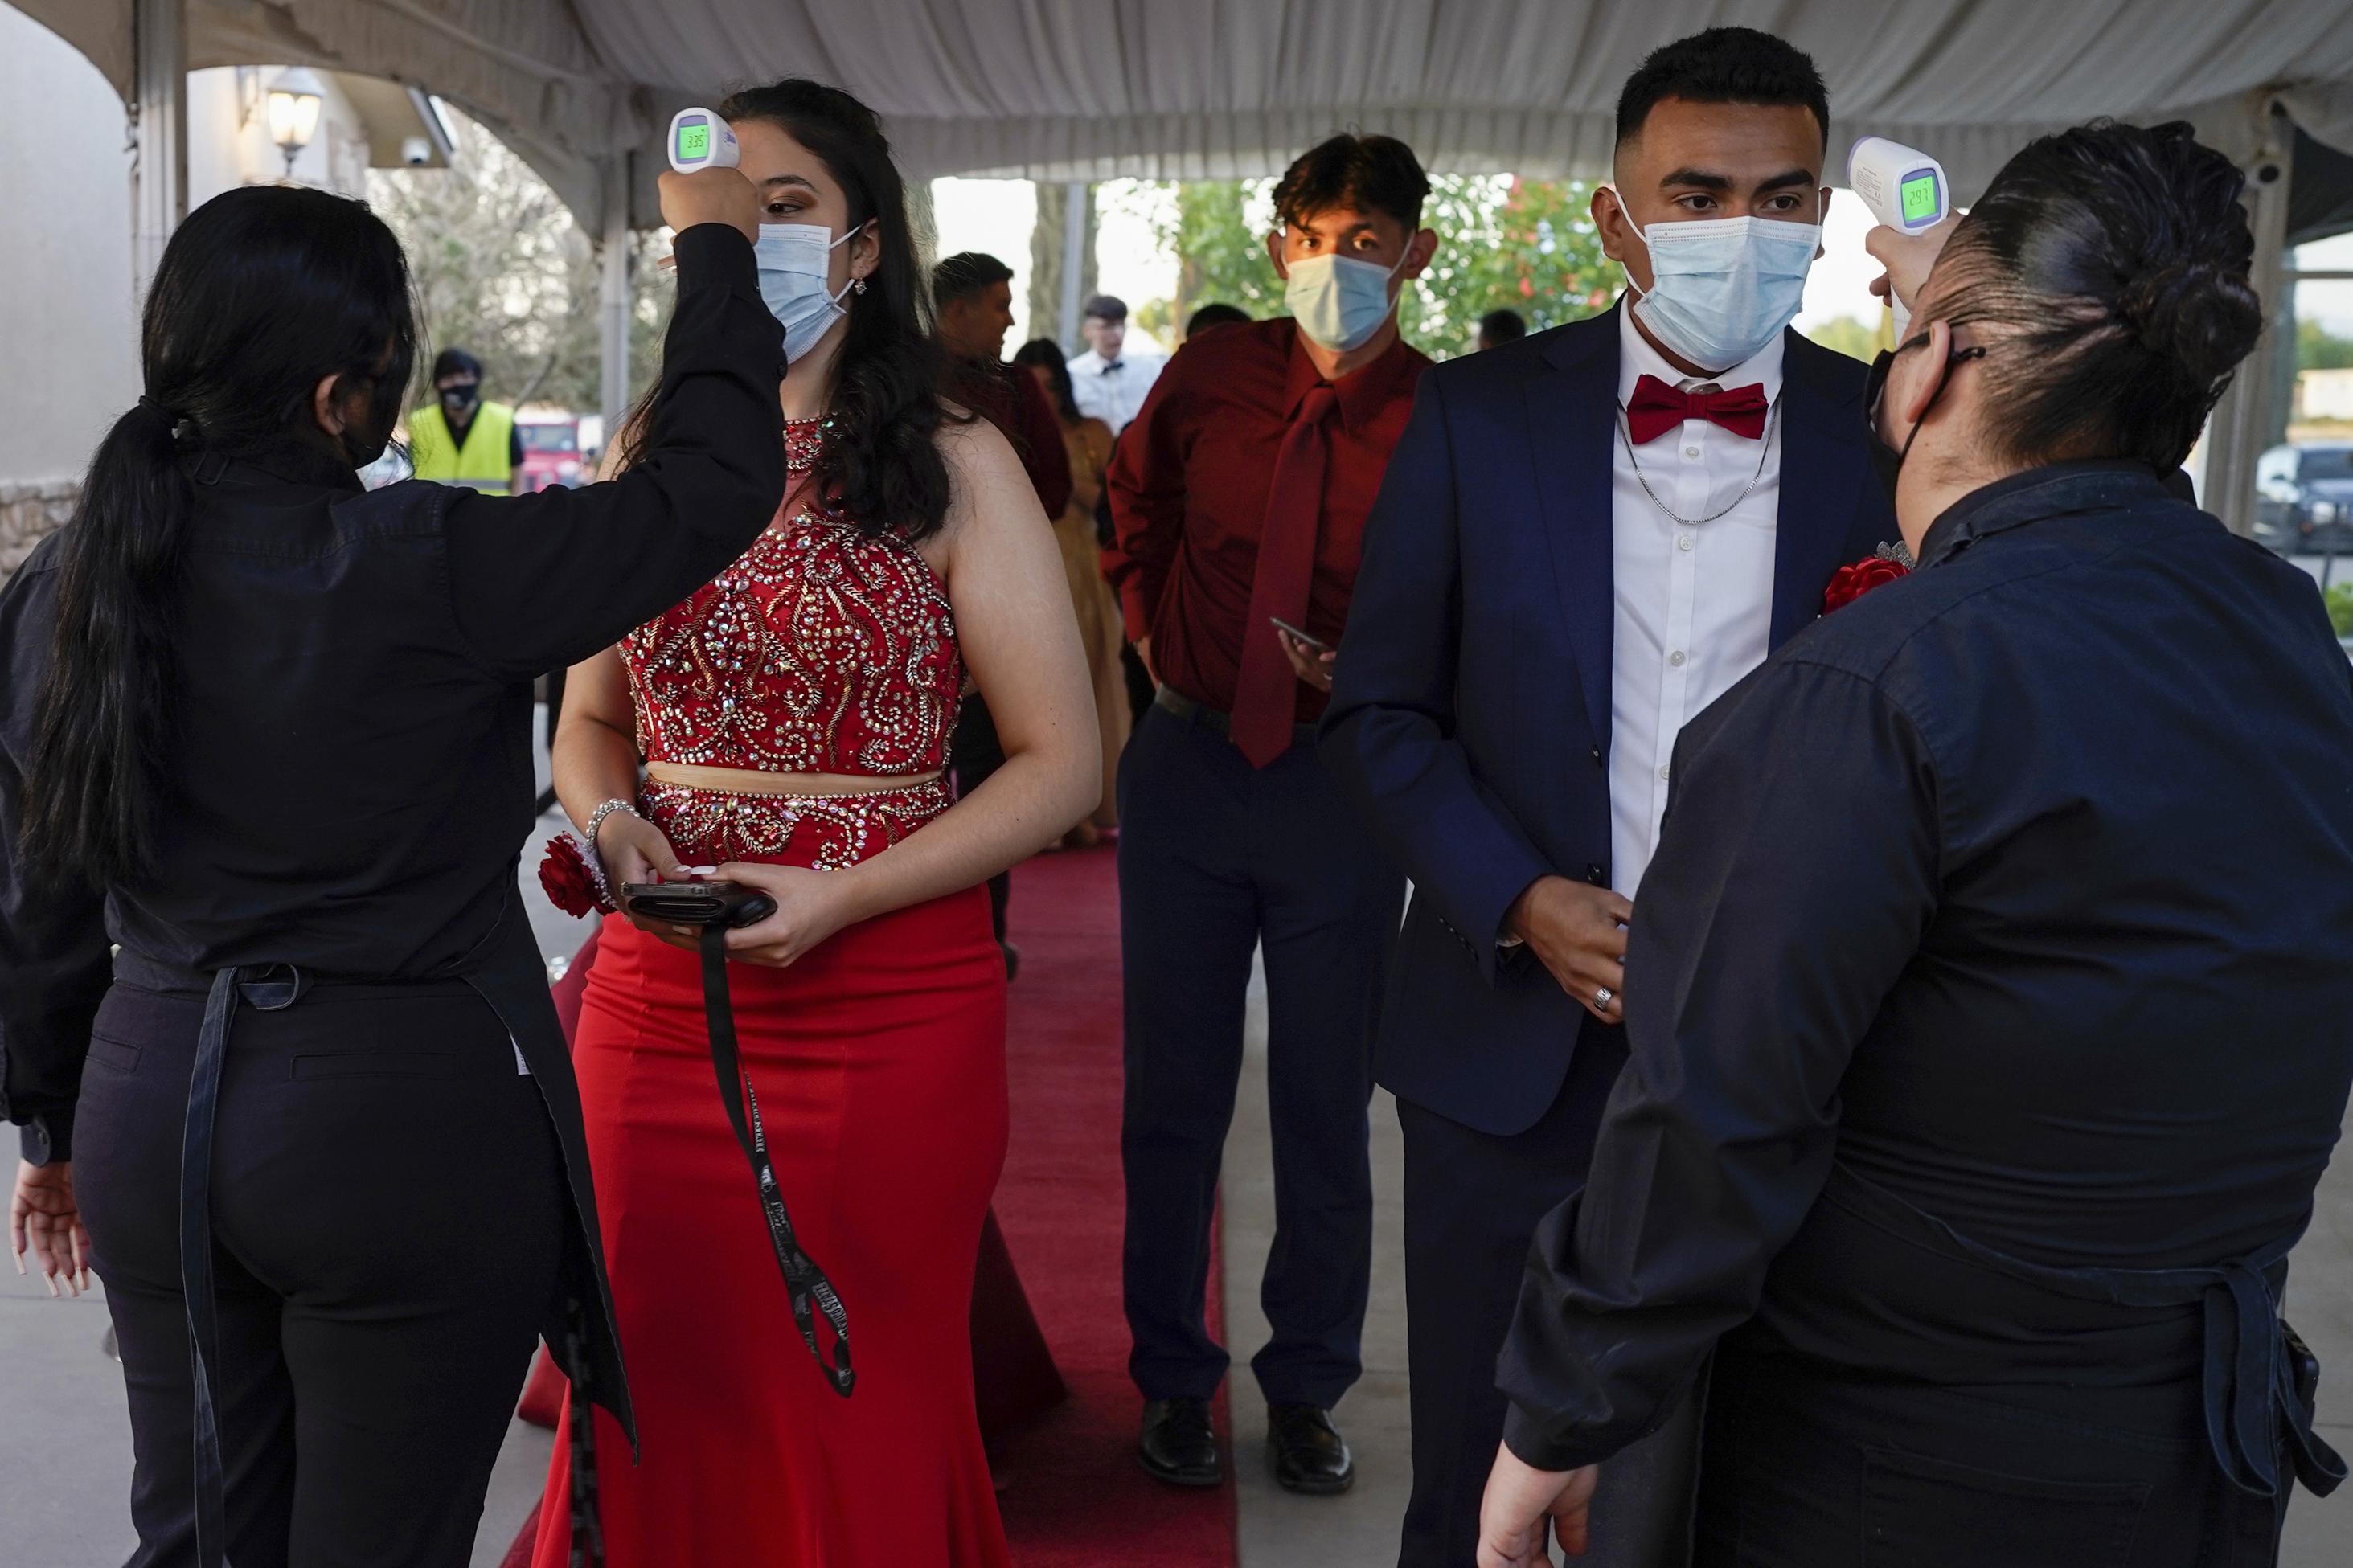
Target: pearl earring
858,287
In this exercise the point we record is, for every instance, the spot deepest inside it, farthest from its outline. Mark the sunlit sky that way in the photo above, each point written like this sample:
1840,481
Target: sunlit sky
997,217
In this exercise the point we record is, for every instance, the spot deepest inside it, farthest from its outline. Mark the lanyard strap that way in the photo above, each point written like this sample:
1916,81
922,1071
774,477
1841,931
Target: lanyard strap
806,1285
587,1549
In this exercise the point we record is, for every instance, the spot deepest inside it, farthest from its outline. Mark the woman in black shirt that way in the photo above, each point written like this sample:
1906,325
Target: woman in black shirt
268,733
1994,1024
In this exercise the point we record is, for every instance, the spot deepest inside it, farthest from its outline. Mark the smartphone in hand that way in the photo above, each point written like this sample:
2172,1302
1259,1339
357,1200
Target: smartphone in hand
1315,645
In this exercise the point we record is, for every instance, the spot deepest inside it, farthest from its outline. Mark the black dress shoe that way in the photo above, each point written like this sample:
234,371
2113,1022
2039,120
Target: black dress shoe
1178,1444
1308,1452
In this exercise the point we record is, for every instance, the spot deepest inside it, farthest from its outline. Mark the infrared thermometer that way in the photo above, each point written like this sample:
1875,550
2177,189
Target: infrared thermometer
1905,190
698,139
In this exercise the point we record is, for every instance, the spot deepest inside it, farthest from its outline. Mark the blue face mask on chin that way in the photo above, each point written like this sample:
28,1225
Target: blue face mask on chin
1721,289
1339,301
794,260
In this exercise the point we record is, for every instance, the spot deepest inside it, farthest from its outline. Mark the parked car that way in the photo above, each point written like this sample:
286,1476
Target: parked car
551,451
2304,499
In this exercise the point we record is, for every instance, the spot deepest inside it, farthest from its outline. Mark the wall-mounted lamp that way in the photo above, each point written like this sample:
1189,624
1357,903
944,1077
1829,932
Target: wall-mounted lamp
293,114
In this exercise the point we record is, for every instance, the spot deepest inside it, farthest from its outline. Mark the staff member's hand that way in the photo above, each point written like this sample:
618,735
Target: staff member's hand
1906,256
44,1218
710,195
810,907
1579,933
1520,1499
1313,668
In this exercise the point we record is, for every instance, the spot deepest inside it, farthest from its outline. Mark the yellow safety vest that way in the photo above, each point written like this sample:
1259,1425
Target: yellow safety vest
481,464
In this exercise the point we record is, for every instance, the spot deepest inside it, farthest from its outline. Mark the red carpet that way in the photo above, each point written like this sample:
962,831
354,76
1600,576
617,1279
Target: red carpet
1077,1499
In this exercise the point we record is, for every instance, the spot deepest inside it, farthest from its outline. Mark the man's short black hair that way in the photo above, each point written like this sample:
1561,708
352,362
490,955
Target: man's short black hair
1503,326
964,274
456,362
1376,172
1724,65
1217,313
1106,308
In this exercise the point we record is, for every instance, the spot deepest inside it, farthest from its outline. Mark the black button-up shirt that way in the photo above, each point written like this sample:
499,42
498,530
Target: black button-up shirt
2021,887
349,767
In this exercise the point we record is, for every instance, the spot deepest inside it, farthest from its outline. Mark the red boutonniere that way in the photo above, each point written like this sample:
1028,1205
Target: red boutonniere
1852,583
565,873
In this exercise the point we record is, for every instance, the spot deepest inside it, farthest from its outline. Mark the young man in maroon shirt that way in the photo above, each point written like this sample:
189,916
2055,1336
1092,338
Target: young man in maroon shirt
1239,497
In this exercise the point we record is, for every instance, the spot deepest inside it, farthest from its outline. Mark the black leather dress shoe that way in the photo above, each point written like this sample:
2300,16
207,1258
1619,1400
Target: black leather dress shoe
1308,1452
1178,1444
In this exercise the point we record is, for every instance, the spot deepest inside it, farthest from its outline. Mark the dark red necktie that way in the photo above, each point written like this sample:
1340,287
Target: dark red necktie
1266,693
1657,408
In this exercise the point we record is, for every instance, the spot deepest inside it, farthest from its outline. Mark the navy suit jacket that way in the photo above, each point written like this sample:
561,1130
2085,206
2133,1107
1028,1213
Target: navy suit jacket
1469,722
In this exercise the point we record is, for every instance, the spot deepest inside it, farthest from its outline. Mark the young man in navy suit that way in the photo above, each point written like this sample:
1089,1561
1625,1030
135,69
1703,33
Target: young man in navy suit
1582,540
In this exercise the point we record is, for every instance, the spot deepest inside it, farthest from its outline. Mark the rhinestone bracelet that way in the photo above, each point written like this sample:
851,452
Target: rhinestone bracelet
588,851
596,818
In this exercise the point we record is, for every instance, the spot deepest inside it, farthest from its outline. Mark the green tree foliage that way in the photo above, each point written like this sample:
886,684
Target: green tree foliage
2317,348
1506,243
1848,336
503,271
1502,241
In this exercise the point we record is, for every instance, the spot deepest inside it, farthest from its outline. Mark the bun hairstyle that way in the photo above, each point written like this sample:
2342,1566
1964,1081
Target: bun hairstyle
2116,259
880,463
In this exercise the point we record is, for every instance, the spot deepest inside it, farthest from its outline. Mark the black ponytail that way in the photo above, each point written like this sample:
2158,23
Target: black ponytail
263,293
2117,256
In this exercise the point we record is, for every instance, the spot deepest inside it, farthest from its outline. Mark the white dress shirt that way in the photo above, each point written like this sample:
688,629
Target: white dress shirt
1694,600
1112,391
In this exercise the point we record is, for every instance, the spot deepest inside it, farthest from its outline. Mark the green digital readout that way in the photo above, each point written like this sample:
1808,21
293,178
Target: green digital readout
694,141
1919,194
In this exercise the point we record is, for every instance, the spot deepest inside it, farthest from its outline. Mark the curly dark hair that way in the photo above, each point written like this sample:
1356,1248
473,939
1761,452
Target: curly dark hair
880,464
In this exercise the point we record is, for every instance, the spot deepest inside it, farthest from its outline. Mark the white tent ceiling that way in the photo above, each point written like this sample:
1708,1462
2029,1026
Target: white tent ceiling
1096,89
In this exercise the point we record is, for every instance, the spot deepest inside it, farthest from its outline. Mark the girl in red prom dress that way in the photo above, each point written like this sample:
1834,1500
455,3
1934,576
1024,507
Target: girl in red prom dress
793,719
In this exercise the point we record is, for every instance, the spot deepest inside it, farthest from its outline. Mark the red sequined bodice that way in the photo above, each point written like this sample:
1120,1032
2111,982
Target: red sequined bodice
823,649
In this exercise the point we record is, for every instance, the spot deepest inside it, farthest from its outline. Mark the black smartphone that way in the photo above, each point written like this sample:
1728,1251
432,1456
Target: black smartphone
1315,645
728,904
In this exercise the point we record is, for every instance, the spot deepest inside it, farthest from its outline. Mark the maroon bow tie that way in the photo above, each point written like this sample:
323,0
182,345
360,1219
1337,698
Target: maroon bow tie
1658,409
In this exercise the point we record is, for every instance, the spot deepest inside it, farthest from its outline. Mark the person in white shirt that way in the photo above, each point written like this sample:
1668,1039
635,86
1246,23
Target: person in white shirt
1110,379
1583,539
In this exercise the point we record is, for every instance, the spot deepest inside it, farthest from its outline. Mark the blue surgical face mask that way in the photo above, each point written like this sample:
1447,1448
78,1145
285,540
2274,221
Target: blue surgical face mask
796,261
1339,301
1721,289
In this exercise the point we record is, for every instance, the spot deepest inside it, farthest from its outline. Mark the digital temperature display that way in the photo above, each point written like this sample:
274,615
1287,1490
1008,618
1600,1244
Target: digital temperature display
1920,195
694,142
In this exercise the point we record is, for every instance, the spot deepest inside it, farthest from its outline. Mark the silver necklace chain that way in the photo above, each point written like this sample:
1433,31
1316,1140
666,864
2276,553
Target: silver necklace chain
1763,446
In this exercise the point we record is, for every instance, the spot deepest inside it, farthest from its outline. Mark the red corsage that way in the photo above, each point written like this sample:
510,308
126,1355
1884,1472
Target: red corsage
1852,583
565,873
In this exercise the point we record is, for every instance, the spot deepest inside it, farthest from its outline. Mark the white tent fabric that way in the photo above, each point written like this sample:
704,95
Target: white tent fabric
1177,89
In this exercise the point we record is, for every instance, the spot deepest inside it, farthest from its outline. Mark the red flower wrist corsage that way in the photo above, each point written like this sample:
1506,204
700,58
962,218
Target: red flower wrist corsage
570,883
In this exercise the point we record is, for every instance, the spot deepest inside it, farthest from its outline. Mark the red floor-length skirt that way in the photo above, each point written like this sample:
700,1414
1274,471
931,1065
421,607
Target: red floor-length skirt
879,1061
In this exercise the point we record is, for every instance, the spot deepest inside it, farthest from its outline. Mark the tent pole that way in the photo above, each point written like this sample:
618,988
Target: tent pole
1076,211
159,177
2242,420
614,301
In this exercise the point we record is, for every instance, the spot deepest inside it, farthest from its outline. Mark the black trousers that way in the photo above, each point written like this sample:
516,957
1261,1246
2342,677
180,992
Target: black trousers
388,1223
1802,1466
1218,859
1472,1203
